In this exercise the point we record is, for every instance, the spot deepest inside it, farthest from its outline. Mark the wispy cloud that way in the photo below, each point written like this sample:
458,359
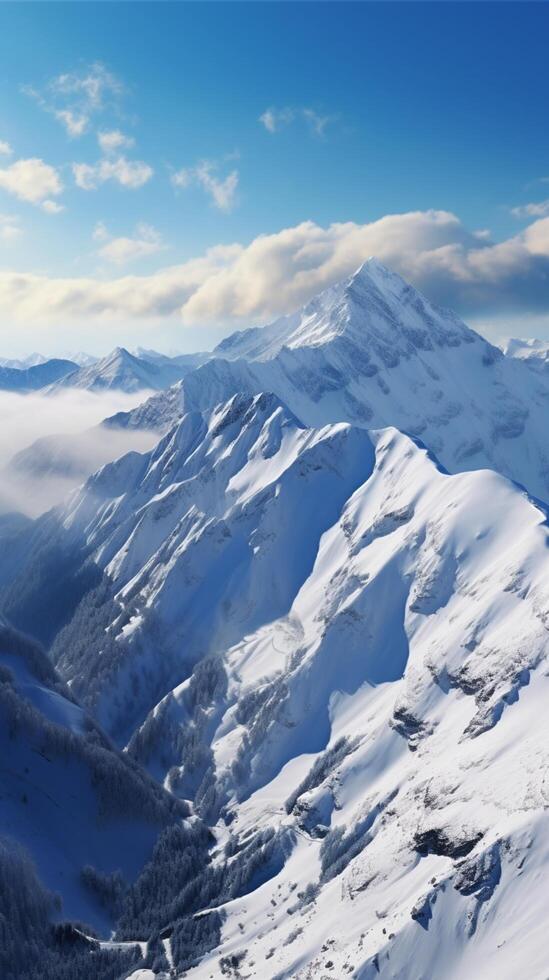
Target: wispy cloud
33,181
5,149
76,125
316,122
222,191
145,241
536,209
9,227
52,207
274,119
130,174
73,98
112,140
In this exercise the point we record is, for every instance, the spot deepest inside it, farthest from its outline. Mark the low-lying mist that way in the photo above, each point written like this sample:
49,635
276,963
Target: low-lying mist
50,443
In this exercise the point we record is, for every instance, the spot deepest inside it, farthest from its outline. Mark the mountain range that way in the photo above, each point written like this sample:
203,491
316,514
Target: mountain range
120,371
308,632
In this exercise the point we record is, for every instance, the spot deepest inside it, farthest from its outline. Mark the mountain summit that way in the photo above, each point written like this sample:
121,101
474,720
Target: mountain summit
374,309
123,371
374,352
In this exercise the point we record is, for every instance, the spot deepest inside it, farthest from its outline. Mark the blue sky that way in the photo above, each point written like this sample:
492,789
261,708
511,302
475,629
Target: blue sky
307,124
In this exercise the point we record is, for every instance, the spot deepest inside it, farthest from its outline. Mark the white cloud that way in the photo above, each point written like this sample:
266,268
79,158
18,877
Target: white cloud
316,122
31,180
120,251
100,233
274,119
76,125
5,149
52,207
93,85
74,97
131,174
112,140
222,192
276,273
68,413
537,209
9,227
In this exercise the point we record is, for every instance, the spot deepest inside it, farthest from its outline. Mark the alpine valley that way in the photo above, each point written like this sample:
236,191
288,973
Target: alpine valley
274,686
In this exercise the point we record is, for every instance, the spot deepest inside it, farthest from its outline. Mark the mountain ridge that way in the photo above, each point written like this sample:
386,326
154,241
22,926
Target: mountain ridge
420,369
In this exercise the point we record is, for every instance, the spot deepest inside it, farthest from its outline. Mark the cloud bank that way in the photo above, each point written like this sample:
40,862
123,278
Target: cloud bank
274,274
77,448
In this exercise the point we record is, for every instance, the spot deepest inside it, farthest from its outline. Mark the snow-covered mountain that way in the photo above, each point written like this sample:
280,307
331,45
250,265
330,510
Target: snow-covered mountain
316,609
535,353
188,361
36,376
81,358
21,363
321,636
373,351
122,371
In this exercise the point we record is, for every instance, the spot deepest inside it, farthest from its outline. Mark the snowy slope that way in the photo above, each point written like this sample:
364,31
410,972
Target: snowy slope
122,371
420,639
373,351
65,795
379,635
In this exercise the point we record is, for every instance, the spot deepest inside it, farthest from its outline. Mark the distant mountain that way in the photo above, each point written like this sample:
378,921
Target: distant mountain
373,351
534,353
123,371
36,377
182,360
81,358
25,362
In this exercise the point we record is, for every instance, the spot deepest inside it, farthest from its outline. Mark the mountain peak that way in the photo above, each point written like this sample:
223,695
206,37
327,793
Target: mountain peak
119,353
371,309
372,266
252,409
